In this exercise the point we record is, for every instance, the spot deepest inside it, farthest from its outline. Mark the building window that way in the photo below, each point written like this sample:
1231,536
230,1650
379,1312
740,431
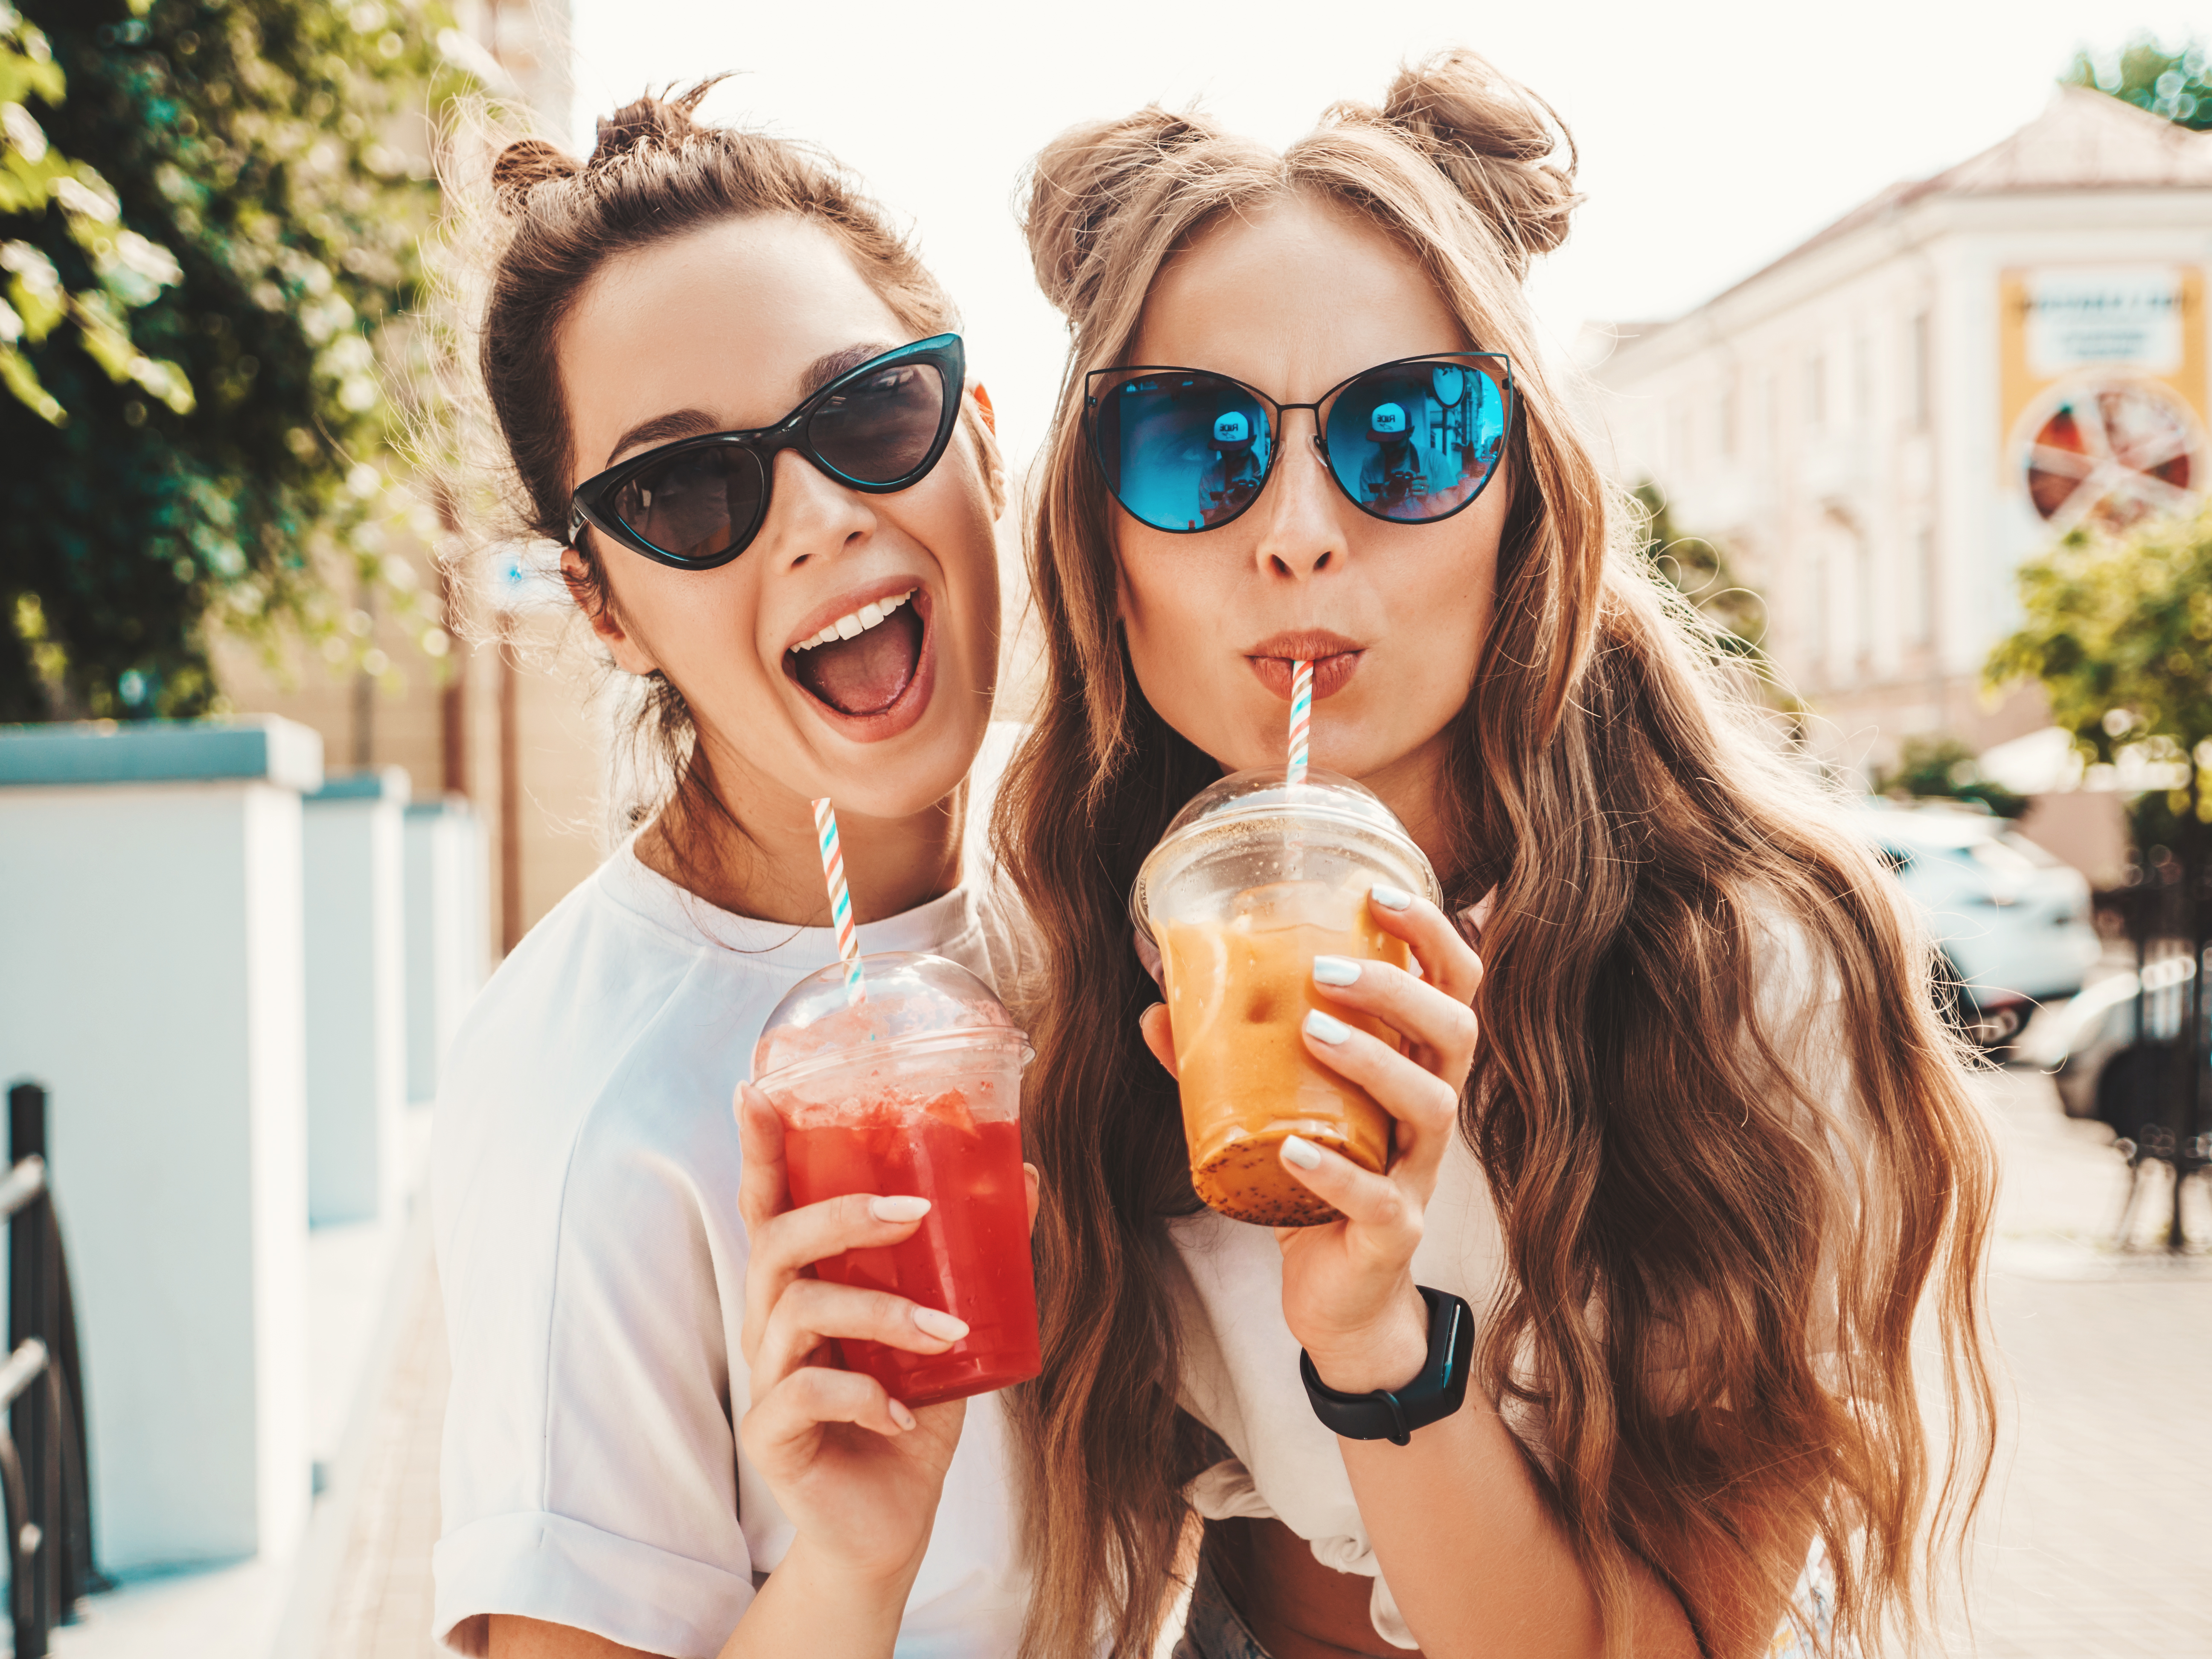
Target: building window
1724,419
1916,607
1816,392
1861,381
1920,370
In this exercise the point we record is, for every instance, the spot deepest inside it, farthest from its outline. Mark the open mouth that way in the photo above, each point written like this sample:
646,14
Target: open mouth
864,663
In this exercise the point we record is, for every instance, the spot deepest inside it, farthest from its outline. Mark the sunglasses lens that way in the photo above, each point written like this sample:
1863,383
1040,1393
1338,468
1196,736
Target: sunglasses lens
1415,442
1183,451
881,427
691,505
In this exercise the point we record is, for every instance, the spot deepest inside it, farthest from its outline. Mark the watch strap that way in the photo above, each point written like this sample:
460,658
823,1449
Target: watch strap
1393,1415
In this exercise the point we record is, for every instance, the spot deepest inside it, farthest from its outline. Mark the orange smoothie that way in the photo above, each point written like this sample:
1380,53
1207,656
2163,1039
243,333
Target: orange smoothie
1237,989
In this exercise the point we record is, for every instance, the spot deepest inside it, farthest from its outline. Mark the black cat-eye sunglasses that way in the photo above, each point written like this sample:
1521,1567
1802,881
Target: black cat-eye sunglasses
698,503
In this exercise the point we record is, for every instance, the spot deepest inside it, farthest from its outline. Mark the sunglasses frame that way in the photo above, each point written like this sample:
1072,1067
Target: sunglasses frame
592,502
1507,396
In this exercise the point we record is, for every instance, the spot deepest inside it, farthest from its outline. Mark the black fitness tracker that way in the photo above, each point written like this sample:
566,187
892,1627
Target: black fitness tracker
1393,1415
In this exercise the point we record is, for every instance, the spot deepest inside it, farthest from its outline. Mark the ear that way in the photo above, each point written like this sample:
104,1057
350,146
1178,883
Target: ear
629,655
990,415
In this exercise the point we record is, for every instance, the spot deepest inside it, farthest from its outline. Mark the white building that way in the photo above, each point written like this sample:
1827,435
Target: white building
1883,423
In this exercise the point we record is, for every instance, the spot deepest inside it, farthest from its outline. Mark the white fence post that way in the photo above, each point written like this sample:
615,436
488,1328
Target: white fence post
150,975
356,996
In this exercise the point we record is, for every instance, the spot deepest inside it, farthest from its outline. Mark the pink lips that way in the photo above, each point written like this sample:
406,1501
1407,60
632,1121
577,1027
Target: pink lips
1335,659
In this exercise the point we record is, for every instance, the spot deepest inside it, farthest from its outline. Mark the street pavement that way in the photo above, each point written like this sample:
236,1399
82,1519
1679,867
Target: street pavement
2097,1538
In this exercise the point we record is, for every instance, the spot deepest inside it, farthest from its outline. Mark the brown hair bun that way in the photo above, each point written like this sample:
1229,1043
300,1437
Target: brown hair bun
1084,180
1490,136
522,166
650,121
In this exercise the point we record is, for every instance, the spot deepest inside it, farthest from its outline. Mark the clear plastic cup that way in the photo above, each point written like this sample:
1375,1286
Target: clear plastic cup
1254,879
915,1091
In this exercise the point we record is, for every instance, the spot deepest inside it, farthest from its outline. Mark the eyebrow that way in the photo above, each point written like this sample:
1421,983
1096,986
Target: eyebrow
692,422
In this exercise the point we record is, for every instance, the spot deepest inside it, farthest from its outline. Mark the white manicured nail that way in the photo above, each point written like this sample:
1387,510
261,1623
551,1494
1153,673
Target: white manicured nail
930,1322
1326,1028
1304,1153
899,1208
901,1415
1335,970
1391,898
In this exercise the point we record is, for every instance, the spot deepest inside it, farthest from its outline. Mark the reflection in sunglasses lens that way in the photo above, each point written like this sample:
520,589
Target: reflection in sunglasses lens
691,504
880,429
1182,451
1415,442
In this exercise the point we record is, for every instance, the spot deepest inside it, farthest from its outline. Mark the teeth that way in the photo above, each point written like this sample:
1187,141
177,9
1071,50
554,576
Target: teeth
856,622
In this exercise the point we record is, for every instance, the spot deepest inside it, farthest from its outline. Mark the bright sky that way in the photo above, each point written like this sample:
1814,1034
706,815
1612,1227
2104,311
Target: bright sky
1715,134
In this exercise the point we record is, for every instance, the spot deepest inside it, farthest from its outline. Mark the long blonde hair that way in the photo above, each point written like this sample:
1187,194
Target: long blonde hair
1678,1208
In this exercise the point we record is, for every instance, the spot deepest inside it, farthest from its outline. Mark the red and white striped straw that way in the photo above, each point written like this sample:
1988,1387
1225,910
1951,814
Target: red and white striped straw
1301,718
841,901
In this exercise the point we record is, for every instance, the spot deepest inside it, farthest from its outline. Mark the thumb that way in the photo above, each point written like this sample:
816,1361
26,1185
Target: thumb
1159,1035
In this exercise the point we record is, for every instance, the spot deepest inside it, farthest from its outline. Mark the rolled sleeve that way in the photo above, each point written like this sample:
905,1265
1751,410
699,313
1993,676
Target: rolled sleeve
549,1567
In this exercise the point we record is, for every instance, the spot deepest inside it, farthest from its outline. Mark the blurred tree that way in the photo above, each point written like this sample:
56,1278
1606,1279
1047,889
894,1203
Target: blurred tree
130,270
276,151
2173,84
2117,630
1936,766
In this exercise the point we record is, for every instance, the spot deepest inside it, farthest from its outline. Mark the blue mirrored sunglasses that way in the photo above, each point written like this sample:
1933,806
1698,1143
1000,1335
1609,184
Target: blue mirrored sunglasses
1411,442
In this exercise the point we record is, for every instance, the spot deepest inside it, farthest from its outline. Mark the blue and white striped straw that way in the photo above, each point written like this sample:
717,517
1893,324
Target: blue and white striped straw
841,901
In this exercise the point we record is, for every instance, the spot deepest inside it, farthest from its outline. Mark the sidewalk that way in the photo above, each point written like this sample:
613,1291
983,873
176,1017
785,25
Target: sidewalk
381,1609
2097,1539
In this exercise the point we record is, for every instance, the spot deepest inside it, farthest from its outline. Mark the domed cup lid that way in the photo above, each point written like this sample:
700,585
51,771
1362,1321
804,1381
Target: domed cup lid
915,1005
1262,824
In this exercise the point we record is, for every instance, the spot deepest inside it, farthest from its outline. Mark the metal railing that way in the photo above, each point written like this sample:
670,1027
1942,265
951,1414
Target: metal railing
42,1472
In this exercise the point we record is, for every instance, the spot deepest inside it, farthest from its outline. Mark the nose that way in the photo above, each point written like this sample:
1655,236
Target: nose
1300,532
810,514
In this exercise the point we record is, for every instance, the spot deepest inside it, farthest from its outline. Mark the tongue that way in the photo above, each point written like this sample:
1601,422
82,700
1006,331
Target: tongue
865,674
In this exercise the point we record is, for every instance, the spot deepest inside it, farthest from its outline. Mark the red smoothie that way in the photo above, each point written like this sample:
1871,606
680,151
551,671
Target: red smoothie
969,1257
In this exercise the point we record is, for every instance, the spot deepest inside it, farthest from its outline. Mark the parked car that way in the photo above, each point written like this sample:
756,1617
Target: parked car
2110,1053
2014,922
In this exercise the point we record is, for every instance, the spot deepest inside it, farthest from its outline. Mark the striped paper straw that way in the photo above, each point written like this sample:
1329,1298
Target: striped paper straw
841,901
1301,718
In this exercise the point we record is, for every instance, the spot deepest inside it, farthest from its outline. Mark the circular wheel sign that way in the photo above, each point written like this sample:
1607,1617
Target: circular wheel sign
2115,452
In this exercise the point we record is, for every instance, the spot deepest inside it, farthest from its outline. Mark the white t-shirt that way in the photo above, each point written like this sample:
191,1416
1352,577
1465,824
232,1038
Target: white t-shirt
1240,1367
584,1184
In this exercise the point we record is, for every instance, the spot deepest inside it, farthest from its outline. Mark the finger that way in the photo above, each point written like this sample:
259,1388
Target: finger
1424,1104
783,1247
1159,1035
811,1311
1386,1221
785,1416
1448,961
1032,1181
1417,1010
764,1180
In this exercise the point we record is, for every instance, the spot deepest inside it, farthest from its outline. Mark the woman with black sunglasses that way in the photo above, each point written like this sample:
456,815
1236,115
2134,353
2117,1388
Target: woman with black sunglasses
1614,1354
733,395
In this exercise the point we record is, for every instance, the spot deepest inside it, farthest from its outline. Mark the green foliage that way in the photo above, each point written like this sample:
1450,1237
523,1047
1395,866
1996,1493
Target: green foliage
2119,632
275,148
129,270
2177,85
1934,766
